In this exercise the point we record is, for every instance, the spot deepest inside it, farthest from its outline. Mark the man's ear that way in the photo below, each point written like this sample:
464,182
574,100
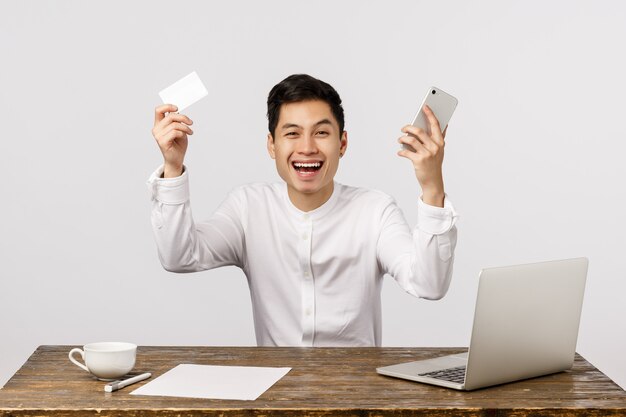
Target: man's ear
270,146
344,143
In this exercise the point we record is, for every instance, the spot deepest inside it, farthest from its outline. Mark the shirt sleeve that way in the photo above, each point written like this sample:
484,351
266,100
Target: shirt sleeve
421,262
183,245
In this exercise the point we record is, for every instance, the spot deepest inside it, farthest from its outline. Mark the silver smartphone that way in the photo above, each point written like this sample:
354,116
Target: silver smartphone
441,103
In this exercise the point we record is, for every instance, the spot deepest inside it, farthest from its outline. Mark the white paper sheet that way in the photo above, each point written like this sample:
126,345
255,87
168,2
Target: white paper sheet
184,92
215,382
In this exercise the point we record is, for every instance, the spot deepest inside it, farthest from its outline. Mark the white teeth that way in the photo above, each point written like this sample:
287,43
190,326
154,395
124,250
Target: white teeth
307,165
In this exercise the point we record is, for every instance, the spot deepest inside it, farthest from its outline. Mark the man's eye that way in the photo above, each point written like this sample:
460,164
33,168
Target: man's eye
321,132
291,134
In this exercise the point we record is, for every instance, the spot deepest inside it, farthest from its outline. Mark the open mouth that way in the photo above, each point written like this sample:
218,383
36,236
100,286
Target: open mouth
307,167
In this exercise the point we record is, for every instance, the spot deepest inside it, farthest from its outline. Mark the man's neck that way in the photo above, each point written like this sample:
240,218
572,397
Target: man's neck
308,202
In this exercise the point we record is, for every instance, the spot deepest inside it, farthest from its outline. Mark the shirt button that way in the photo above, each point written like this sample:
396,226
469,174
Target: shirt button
305,217
305,236
307,311
306,274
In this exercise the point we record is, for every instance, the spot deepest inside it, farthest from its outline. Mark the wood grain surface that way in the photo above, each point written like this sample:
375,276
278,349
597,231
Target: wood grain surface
322,382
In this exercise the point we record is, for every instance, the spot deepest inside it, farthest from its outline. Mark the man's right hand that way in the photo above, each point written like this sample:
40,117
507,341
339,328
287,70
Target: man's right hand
170,133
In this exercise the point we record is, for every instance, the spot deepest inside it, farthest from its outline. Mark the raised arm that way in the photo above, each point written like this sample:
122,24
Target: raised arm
184,245
421,260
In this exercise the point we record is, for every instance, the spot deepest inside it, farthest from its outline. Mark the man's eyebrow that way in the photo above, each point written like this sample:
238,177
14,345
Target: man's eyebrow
321,122
324,122
290,125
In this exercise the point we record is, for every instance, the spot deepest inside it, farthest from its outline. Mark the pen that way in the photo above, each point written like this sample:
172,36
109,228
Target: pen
114,386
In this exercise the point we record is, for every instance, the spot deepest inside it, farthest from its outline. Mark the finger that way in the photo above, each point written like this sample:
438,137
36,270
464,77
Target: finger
412,141
178,126
423,137
416,132
159,112
418,149
435,128
171,132
164,127
177,117
173,135
412,156
444,132
172,118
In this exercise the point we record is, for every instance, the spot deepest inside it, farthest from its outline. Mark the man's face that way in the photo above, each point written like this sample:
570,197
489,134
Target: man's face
307,146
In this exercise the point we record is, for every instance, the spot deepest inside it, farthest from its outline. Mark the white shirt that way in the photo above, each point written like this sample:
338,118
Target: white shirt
315,277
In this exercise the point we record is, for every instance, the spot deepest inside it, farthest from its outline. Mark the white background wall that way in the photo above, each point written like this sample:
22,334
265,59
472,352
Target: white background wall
534,156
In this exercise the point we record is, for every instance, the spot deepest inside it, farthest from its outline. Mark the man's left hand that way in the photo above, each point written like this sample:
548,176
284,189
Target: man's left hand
427,158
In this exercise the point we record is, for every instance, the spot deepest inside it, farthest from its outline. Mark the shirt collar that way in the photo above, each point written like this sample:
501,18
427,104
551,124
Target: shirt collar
316,213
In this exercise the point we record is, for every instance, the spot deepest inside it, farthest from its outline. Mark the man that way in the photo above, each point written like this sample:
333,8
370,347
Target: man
314,251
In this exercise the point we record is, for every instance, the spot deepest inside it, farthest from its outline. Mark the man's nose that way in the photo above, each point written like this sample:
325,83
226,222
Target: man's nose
308,145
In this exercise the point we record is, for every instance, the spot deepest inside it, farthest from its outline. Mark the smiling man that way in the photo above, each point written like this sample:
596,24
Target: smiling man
306,141
314,251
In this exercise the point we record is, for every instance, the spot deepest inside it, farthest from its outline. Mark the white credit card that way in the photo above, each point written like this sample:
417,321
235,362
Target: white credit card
184,92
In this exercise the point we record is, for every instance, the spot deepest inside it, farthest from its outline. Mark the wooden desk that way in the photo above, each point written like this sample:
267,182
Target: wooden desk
322,382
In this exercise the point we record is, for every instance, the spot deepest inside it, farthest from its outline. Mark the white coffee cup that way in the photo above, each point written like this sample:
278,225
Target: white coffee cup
106,360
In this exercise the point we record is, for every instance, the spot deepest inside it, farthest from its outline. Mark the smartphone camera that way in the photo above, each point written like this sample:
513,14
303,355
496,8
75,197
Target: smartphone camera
434,91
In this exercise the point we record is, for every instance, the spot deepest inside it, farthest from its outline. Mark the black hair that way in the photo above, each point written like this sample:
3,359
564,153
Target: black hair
302,87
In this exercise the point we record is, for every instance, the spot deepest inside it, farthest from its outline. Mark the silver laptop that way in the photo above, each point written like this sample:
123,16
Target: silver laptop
525,325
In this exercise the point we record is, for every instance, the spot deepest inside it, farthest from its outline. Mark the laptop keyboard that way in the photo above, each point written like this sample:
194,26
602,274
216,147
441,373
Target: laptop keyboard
451,374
